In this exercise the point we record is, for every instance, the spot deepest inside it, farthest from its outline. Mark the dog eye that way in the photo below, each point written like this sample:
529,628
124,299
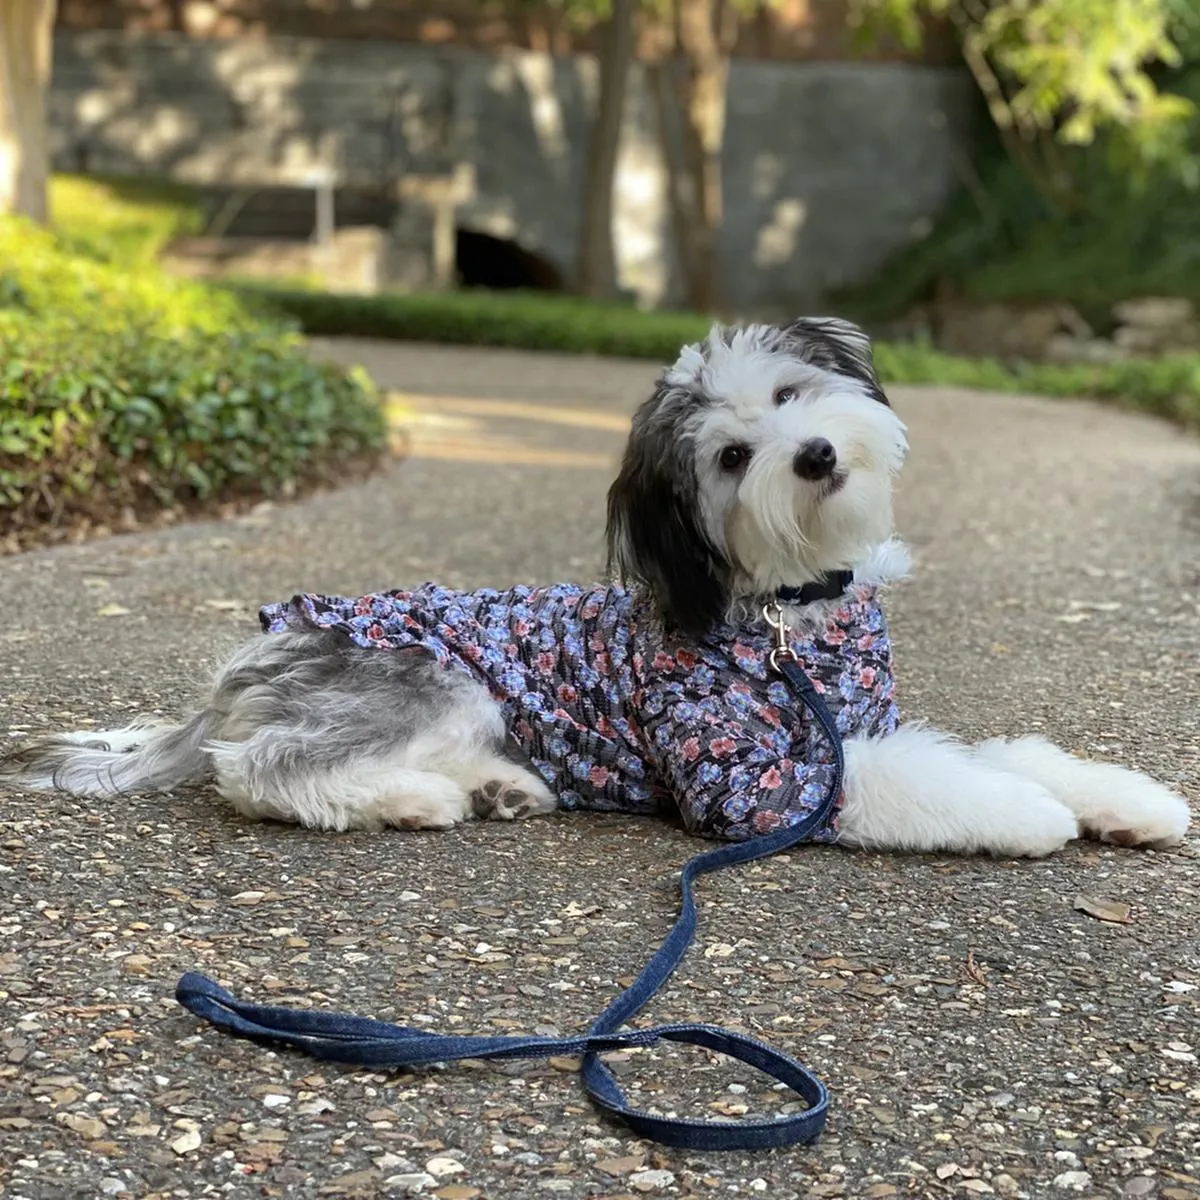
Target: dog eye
785,395
733,457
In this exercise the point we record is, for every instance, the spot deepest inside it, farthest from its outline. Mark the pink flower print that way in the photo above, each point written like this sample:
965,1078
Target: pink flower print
362,607
765,821
867,677
566,693
867,641
686,659
770,714
375,632
691,749
598,776
722,747
545,662
835,635
605,726
663,661
602,664
521,627
770,779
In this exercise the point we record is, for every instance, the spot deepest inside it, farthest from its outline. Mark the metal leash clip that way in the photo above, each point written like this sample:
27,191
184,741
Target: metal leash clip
782,651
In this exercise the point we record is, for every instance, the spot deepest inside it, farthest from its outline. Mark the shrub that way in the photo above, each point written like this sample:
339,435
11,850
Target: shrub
1127,235
130,391
121,220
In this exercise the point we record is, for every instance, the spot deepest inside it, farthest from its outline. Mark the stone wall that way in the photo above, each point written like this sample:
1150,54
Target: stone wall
829,168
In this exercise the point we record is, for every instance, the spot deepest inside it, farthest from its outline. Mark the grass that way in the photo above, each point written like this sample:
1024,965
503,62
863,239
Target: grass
1167,387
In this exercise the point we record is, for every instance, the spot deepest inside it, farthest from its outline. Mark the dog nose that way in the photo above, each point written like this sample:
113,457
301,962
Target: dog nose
815,459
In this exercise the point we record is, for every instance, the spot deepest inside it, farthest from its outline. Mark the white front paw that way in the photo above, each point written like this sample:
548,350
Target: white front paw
1112,803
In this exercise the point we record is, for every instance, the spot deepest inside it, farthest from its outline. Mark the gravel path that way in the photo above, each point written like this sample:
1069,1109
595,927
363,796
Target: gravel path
979,1034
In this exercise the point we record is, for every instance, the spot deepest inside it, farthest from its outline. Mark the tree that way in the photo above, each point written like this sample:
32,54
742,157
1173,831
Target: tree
596,270
26,28
1056,72
692,82
687,86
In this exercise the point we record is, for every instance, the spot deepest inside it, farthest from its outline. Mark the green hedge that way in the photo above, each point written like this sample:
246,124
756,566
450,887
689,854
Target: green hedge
521,320
535,321
125,389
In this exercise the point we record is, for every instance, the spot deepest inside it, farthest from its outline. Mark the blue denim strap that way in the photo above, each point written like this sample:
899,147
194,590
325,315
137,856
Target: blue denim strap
364,1042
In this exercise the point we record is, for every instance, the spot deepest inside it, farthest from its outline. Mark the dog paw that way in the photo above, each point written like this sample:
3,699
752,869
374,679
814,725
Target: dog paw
500,801
1137,811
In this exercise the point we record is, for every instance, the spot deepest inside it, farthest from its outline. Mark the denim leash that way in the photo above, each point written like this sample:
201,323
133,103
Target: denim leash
360,1041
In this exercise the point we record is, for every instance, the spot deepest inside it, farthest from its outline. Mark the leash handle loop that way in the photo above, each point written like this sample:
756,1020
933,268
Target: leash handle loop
339,1037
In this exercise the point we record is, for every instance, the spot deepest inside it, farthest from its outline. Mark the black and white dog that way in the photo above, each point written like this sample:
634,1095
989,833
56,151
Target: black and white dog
755,493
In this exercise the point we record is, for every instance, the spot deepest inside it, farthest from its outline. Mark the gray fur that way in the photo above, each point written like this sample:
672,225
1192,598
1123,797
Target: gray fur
283,717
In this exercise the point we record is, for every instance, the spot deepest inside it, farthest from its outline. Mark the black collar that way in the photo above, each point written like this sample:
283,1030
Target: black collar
828,587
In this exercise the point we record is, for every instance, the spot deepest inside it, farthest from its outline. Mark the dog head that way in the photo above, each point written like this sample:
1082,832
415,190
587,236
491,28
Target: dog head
764,458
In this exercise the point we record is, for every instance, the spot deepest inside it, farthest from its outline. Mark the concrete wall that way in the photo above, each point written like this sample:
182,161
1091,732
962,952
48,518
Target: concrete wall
829,167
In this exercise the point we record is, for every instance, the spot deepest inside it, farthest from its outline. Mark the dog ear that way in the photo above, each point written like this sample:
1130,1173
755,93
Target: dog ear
654,533
836,345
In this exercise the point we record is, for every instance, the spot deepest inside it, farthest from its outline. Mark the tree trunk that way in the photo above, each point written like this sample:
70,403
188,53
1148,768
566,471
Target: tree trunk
26,30
679,199
702,105
596,271
704,34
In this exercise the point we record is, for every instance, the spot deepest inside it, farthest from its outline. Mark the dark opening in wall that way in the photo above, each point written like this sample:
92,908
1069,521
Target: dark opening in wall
484,261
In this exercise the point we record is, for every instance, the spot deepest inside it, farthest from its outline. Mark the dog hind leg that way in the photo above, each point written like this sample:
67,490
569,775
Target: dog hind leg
354,738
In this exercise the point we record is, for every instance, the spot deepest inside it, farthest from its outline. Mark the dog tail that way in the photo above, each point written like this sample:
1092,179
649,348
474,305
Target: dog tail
113,762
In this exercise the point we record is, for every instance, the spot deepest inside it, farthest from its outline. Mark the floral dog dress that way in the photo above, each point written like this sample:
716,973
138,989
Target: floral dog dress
619,714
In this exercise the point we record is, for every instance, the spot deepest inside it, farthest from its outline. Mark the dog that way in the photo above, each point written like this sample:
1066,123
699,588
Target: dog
754,501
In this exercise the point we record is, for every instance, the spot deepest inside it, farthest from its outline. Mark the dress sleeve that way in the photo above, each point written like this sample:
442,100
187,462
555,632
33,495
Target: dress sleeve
741,759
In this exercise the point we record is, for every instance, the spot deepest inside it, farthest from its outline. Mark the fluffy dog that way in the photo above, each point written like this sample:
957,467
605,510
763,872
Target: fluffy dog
756,490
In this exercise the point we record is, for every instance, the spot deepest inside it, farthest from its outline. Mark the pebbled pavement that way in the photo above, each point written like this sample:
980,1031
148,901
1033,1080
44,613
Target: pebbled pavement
980,1034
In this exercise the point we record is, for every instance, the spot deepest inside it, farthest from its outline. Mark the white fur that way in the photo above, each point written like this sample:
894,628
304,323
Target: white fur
1111,803
920,790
